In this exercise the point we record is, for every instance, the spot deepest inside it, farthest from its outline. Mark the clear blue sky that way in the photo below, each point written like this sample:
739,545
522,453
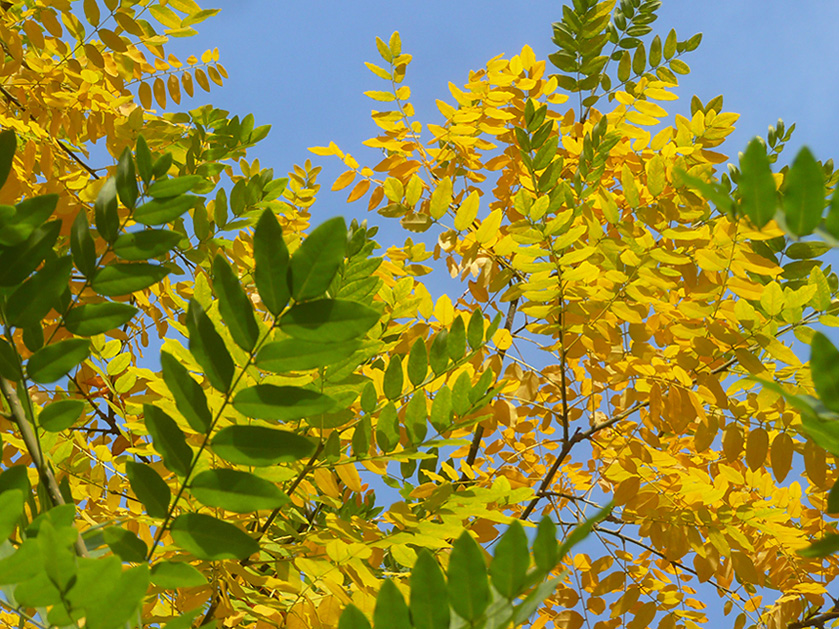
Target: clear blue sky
299,67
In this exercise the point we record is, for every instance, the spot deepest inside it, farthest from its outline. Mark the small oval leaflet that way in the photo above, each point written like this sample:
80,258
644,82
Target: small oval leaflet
281,403
260,446
55,361
237,491
60,415
209,538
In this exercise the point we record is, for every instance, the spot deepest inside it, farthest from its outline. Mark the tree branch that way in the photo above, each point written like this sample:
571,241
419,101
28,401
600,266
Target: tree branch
27,432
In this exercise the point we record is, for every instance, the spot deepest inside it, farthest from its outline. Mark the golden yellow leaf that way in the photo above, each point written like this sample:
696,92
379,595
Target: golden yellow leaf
144,92
201,79
214,75
186,80
174,88
781,456
159,90
359,190
344,180
467,211
757,447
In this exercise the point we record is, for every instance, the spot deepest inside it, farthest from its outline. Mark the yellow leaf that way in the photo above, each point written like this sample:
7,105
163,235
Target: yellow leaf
186,6
359,190
186,80
772,299
349,476
757,446
489,227
379,72
395,44
91,12
344,180
165,16
630,191
467,211
821,298
413,191
112,40
780,456
650,109
394,190
201,78
214,75
636,117
144,92
502,339
443,310
174,88
656,175
385,97
610,209
159,90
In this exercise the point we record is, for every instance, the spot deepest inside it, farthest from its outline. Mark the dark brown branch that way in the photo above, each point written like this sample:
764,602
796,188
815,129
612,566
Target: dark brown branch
479,430
818,620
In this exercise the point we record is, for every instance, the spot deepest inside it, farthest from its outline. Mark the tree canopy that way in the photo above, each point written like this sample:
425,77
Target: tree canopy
216,413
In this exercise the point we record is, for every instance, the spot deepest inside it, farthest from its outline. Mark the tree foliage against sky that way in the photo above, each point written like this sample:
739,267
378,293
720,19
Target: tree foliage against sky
202,395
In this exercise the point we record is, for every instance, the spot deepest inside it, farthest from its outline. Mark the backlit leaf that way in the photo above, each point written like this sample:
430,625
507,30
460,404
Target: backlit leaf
260,446
208,347
55,361
317,260
271,258
60,415
149,488
91,319
189,396
209,538
328,320
176,574
236,491
235,307
281,403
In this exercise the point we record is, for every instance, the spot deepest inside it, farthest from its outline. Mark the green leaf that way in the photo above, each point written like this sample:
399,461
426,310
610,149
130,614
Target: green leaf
122,602
441,409
803,194
126,180
106,214
28,215
15,477
460,394
281,403
17,262
429,594
508,569
189,396
172,575
545,547
162,165
758,198
468,583
296,355
186,620
9,362
161,211
149,488
317,260
208,348
456,342
271,263
39,591
392,384
824,368
234,305
582,531
475,329
387,428
60,415
146,244
211,539
416,413
121,278
166,188
125,544
55,361
831,221
530,604
33,299
82,246
417,362
94,580
144,160
168,439
11,507
391,612
438,357
25,563
828,545
260,446
237,491
806,250
353,618
92,319
8,144
833,499
328,320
